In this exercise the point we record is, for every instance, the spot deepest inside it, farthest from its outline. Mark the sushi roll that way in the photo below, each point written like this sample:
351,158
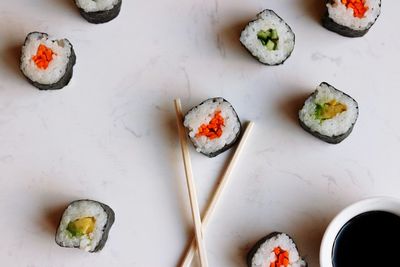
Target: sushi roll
275,250
268,38
351,18
329,114
99,11
85,224
47,62
213,126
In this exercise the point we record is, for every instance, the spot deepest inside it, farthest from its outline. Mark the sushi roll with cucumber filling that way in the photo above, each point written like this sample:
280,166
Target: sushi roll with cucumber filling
99,11
47,62
85,224
275,250
351,18
268,38
213,126
329,114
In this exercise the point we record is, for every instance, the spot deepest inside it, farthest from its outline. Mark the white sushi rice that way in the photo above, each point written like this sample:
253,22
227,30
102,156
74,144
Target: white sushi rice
339,124
203,114
77,210
265,21
342,15
96,5
58,65
265,255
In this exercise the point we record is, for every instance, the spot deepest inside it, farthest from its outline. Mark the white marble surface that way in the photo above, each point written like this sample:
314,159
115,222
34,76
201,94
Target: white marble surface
111,134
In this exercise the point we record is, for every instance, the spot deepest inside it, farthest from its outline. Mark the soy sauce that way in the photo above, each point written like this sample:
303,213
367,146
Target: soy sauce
371,239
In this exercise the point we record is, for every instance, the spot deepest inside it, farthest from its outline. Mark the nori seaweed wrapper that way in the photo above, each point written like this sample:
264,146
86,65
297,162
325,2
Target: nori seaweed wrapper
282,21
331,25
99,17
227,146
107,227
336,139
331,140
259,243
64,81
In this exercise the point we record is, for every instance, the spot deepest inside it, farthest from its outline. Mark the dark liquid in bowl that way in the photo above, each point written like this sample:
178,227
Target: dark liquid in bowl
370,239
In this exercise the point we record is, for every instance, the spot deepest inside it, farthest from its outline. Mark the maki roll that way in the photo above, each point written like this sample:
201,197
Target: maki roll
329,114
99,11
351,18
213,126
47,62
275,250
268,38
85,224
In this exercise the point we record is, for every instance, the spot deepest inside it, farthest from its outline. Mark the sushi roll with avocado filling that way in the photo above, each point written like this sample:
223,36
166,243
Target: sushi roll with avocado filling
329,114
47,62
351,18
99,11
268,38
85,224
213,126
275,250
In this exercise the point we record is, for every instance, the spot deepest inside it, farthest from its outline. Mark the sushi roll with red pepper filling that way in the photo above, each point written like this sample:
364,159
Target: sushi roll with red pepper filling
351,18
47,62
85,224
275,250
268,38
329,114
213,126
99,11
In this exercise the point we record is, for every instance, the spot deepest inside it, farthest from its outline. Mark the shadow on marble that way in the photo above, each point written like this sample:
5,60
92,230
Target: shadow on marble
228,40
178,188
169,132
10,59
308,237
315,9
51,218
289,107
241,257
67,5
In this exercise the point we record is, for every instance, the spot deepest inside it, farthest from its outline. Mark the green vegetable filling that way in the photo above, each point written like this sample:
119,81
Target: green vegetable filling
269,39
82,226
329,110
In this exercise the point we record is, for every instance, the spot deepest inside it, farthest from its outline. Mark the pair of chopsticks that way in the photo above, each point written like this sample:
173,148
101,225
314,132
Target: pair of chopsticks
201,223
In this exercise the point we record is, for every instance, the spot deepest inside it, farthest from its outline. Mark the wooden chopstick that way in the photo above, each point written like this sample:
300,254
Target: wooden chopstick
190,184
188,257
